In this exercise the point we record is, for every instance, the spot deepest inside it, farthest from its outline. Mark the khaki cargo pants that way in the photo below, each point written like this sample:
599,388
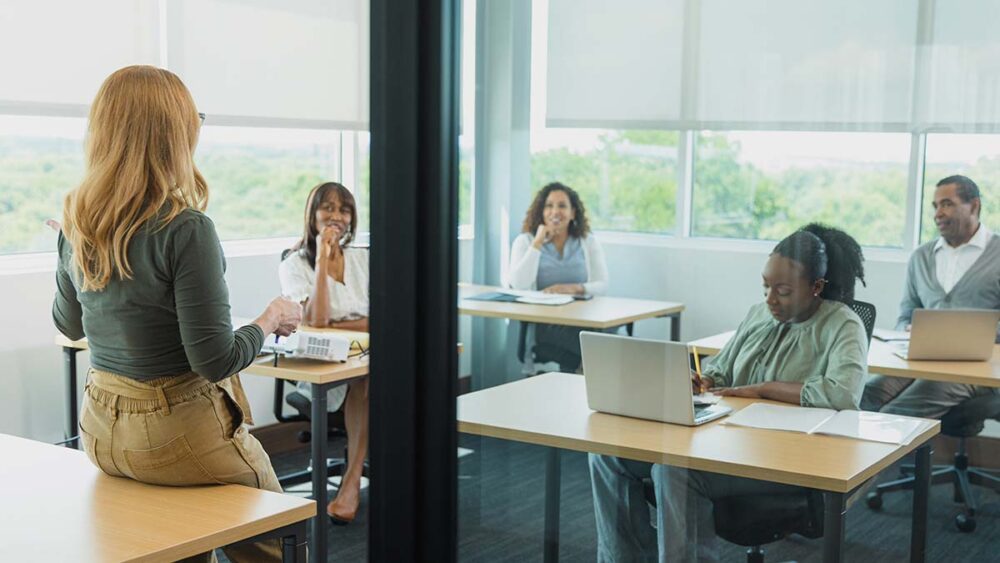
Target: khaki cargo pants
182,431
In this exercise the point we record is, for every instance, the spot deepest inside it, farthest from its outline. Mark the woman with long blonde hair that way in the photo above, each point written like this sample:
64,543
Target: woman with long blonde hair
140,274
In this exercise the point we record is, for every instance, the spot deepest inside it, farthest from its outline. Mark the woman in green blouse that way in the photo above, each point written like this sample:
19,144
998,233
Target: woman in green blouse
803,345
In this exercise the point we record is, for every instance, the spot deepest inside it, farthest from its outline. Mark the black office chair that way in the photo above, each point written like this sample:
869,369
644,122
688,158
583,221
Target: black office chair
867,313
755,520
961,421
541,353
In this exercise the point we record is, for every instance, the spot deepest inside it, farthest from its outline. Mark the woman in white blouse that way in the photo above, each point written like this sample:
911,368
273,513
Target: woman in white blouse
557,253
332,278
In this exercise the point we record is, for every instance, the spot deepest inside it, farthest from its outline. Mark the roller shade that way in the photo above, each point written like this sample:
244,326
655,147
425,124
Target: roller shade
604,70
852,65
60,52
271,59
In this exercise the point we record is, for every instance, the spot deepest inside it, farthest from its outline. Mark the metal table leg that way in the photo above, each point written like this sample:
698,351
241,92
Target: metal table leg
675,327
293,547
553,485
319,427
72,432
833,527
921,498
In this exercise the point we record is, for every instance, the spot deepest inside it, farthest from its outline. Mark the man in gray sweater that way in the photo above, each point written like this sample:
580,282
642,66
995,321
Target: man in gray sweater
960,269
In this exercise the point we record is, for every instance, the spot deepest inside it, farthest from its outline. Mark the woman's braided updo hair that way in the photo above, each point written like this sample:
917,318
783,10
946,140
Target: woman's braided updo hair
826,253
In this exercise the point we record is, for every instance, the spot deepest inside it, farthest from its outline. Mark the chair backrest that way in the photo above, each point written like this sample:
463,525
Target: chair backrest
867,313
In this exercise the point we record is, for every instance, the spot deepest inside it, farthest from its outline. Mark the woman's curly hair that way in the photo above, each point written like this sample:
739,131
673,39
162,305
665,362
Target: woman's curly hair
579,227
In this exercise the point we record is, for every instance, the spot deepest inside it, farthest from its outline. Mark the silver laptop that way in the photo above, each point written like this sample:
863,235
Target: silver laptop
951,334
642,379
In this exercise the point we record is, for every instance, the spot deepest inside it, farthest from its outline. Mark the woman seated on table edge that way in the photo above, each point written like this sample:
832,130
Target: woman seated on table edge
331,276
141,274
557,253
803,345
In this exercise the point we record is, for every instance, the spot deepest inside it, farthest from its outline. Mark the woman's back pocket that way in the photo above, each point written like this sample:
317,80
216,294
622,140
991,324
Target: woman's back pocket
172,464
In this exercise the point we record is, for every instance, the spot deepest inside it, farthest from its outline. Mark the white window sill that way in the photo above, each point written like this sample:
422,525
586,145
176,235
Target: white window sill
872,253
19,264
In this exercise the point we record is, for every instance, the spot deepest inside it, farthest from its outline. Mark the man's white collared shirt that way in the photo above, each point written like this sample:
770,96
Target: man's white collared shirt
953,262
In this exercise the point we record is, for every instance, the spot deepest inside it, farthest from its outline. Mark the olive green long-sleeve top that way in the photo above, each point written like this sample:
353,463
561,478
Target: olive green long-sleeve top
827,353
172,318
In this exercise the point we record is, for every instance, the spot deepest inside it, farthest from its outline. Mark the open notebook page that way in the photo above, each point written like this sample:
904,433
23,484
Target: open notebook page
776,417
873,426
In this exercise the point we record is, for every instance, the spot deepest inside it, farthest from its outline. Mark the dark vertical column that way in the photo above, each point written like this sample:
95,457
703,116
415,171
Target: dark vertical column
921,500
319,426
553,493
833,527
414,227
72,401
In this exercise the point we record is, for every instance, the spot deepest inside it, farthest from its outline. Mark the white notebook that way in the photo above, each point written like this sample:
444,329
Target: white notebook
539,297
860,425
545,299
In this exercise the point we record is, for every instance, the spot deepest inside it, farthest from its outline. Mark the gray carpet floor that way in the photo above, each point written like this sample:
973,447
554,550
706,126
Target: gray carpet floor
501,508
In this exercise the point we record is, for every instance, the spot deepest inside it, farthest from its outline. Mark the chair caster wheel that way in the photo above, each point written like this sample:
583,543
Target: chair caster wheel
874,501
965,523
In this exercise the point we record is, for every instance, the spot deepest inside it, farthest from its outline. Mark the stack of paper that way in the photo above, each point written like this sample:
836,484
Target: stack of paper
871,426
890,335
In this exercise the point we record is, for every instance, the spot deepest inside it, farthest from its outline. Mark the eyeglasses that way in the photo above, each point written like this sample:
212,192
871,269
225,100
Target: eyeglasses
201,116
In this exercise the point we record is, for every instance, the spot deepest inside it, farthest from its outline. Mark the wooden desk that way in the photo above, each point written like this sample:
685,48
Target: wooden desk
600,312
322,375
552,411
881,360
58,507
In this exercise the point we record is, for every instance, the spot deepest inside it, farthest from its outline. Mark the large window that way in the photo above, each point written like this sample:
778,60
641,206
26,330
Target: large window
975,156
41,158
627,179
285,94
764,185
815,111
259,178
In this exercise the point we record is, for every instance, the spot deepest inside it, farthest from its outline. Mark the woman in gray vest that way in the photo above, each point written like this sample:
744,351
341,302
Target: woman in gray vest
557,253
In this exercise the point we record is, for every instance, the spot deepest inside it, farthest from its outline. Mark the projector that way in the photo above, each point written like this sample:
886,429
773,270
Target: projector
324,346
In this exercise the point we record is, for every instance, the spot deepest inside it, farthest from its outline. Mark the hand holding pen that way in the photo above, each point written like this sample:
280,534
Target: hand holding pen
697,383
